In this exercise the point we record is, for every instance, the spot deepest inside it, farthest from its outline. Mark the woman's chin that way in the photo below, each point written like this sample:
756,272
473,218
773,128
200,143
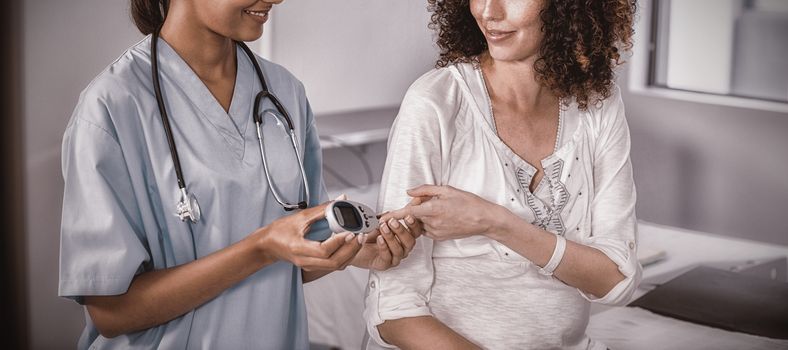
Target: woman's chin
507,54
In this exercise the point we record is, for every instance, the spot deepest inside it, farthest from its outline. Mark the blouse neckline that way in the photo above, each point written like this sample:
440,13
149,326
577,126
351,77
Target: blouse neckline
483,121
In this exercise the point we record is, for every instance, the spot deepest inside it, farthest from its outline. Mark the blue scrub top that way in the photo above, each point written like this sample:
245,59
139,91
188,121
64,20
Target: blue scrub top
121,191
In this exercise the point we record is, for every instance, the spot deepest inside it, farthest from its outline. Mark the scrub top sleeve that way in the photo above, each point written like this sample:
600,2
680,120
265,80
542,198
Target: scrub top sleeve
413,159
101,242
613,222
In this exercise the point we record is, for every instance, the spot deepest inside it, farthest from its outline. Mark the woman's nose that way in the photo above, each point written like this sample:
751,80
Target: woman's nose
493,10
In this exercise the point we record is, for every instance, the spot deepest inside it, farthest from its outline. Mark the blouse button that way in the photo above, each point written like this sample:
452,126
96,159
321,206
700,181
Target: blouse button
372,284
631,245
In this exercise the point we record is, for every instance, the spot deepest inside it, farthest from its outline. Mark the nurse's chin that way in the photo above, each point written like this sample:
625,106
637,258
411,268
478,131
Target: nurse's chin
248,34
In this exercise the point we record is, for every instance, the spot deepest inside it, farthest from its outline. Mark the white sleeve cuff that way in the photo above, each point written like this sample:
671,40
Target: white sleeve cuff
623,254
381,308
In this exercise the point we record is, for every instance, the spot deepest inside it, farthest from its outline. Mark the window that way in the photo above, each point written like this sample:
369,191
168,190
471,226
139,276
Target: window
725,47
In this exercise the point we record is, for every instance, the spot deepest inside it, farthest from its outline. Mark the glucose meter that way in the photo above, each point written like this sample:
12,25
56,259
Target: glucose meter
354,217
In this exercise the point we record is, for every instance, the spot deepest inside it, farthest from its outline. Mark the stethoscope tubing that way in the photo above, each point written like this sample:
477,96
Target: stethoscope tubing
165,120
188,207
294,143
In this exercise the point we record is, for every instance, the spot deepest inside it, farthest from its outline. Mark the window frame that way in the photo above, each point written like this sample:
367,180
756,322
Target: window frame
642,73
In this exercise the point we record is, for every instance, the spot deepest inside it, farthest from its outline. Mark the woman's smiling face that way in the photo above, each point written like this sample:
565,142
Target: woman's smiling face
512,28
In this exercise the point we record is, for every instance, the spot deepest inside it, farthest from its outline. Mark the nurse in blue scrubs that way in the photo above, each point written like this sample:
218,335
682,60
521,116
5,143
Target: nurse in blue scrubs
232,279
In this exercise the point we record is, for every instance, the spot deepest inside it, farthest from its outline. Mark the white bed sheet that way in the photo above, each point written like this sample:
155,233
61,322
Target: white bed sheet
335,303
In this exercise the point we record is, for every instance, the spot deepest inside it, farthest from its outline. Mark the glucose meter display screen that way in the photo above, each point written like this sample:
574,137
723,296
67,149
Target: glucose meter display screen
349,218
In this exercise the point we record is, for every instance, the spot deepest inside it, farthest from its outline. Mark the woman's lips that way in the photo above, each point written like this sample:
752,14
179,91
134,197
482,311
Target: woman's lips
498,35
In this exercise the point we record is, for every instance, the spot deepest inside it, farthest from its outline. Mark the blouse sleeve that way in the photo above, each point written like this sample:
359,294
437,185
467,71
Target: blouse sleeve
613,223
102,244
413,159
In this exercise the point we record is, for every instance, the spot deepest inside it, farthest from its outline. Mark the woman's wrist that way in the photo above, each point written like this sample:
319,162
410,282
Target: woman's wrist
502,223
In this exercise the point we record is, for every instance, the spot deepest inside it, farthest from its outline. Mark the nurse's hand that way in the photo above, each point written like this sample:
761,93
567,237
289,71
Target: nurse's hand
284,239
385,247
448,213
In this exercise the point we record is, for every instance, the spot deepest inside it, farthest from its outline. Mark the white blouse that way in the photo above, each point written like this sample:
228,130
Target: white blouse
444,134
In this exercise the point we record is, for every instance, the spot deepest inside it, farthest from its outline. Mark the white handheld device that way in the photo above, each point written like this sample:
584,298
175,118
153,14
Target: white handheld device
354,217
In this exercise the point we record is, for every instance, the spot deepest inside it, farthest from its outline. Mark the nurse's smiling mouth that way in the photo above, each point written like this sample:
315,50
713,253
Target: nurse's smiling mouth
258,15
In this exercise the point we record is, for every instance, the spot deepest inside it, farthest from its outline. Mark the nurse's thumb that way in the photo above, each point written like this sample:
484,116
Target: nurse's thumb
310,215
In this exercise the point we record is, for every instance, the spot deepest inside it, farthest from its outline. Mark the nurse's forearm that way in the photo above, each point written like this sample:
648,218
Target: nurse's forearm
156,297
423,332
582,267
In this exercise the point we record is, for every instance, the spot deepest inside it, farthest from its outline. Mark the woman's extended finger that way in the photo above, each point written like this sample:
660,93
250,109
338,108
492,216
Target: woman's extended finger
404,236
418,200
418,211
396,214
428,191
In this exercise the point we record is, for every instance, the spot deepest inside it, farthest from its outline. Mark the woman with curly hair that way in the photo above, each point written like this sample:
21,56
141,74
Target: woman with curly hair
514,154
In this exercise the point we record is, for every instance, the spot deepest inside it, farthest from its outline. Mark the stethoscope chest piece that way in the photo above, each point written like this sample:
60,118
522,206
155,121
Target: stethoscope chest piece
187,207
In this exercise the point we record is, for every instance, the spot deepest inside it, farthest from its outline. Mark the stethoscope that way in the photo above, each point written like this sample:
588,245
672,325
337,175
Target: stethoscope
187,206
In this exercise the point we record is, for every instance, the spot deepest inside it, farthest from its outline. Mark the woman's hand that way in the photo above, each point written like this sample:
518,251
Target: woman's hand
385,247
284,239
449,213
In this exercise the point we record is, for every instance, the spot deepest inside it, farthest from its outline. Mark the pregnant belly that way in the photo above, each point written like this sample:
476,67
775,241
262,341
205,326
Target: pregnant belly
505,305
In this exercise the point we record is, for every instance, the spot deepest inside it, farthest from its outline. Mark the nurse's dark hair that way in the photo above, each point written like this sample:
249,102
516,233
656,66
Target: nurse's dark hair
581,45
149,15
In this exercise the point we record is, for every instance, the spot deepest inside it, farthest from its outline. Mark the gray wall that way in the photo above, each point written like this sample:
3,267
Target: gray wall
353,54
66,44
710,168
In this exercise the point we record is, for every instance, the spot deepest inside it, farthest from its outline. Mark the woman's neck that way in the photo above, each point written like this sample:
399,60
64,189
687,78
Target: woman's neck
210,55
514,84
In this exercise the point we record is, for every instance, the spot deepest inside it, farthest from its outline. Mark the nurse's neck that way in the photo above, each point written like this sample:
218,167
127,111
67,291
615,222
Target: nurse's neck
210,55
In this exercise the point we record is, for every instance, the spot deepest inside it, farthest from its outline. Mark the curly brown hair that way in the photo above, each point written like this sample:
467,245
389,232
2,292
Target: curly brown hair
581,46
